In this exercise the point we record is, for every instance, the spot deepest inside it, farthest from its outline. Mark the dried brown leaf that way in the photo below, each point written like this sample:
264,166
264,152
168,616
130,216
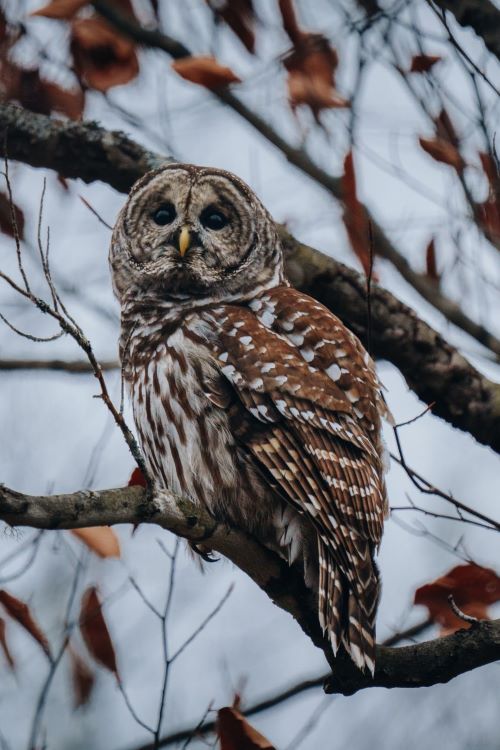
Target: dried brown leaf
473,588
95,631
443,151
102,57
5,646
355,215
430,262
69,102
137,479
311,75
445,128
205,71
6,217
488,216
38,95
423,63
290,23
82,678
20,612
100,539
61,9
490,169
235,733
240,17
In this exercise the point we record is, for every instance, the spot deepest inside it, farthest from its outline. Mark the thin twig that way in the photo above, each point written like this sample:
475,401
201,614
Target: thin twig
458,612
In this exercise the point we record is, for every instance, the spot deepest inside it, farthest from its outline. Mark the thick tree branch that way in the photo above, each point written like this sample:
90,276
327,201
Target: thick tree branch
79,150
481,15
284,585
434,369
418,665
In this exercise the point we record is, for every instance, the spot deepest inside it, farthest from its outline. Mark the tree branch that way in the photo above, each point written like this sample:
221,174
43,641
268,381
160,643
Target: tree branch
382,245
278,698
77,366
481,15
283,584
433,368
418,665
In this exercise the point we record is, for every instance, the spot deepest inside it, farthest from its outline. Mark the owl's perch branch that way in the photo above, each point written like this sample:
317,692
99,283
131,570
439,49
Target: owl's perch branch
433,368
418,665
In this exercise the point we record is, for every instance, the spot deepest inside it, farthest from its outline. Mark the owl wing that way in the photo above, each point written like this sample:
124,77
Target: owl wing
310,386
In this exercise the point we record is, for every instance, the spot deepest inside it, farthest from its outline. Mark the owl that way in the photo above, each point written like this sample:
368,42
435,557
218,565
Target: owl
249,397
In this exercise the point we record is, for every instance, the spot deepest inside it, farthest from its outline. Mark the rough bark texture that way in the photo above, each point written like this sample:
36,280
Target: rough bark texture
481,15
419,665
434,369
80,150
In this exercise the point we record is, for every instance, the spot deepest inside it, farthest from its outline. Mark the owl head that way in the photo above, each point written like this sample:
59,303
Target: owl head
189,232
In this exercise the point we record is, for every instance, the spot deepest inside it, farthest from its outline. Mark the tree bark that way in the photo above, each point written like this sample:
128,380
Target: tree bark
418,665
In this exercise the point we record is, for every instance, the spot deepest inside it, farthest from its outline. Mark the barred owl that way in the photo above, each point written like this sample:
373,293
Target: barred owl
249,397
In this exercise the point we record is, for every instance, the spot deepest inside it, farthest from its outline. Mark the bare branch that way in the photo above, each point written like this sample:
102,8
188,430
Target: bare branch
279,697
60,365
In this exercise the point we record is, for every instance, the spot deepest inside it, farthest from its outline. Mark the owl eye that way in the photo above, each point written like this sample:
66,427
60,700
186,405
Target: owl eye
165,214
213,219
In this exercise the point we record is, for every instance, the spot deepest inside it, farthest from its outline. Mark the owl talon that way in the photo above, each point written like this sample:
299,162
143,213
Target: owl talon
206,555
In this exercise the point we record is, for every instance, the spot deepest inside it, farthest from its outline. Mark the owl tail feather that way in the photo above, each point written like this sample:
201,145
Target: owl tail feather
342,616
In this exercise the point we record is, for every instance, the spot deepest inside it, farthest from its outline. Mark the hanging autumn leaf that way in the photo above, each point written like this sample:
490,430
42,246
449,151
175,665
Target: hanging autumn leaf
100,539
491,171
4,645
488,216
95,631
235,733
423,63
239,16
6,217
430,262
488,212
102,57
445,128
61,9
290,23
205,71
38,95
20,612
311,75
137,479
82,678
473,588
355,216
443,151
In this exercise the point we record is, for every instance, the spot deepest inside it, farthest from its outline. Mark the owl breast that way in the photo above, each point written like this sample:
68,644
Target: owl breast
183,415
185,436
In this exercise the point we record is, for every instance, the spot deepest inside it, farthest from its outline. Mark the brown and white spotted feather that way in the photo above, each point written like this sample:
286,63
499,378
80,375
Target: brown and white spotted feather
250,397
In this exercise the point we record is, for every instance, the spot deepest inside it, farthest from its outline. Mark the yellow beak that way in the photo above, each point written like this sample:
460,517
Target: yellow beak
184,240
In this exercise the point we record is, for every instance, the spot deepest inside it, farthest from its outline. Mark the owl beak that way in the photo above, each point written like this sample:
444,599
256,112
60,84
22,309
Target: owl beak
184,241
